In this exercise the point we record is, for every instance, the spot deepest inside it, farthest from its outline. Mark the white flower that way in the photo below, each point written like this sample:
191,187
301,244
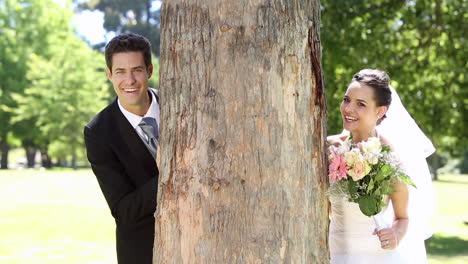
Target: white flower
371,157
392,159
371,145
343,148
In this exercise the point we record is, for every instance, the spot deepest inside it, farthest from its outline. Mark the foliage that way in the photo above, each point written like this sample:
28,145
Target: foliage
136,16
154,81
25,27
51,82
419,43
73,84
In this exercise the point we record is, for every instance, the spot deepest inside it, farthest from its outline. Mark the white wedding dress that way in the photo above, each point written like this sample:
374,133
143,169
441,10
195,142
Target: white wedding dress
351,240
350,236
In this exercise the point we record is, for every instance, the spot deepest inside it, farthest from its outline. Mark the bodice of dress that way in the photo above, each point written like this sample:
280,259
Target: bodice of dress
351,230
350,237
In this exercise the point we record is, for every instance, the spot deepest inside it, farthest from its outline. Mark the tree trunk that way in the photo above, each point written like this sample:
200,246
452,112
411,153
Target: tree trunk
435,162
243,165
45,159
4,149
74,158
30,156
30,149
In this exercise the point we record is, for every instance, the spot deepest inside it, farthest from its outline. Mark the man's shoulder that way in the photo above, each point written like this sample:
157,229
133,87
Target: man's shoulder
104,118
155,92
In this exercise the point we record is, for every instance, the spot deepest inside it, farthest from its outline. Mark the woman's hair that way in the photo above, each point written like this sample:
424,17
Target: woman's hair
379,81
127,42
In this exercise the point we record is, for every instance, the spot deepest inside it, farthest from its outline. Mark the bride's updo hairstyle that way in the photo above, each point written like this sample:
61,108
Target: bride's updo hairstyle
380,82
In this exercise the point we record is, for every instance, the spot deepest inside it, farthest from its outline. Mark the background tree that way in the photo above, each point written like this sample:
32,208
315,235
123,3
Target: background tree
24,29
243,170
51,82
420,44
136,16
66,91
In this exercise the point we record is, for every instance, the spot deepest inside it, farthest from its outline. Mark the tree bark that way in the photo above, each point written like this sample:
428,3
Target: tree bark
74,158
30,148
46,162
243,165
4,149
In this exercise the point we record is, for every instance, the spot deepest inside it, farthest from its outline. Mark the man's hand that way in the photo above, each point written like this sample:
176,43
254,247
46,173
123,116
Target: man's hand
158,158
334,141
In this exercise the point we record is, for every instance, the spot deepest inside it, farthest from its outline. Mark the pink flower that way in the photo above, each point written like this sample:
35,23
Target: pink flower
337,168
359,170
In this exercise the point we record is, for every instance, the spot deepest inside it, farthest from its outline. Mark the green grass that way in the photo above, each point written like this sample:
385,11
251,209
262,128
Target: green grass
449,244
54,217
60,216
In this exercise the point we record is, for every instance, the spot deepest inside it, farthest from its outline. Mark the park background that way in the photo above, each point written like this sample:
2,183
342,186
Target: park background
53,82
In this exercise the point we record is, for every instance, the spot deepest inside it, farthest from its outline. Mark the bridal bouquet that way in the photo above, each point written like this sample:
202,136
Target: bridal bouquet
364,173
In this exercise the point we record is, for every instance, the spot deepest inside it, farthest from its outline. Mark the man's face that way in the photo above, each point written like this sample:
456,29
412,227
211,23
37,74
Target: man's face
129,77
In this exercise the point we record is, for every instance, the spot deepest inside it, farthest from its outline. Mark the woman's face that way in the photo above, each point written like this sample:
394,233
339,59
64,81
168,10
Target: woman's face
359,110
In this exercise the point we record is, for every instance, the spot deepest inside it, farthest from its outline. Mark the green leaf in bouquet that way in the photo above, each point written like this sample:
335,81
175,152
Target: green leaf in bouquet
383,172
385,149
370,187
386,187
368,205
406,179
377,191
352,187
381,204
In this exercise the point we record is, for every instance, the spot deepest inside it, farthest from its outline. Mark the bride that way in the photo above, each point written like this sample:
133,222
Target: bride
372,108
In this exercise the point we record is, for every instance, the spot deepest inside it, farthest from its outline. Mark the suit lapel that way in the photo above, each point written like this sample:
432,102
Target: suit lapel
128,139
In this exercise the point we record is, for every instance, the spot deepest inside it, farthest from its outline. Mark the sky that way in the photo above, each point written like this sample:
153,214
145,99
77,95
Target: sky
89,25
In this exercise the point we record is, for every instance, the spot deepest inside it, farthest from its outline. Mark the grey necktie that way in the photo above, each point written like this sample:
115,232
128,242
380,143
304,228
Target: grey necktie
150,128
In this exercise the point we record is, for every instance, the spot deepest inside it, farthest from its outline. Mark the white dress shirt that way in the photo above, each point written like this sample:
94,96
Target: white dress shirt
153,111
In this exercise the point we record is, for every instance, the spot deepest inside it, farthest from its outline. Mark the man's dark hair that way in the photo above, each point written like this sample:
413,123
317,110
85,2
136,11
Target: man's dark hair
128,42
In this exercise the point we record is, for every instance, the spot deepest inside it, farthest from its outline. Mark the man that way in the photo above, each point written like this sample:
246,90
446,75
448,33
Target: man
122,151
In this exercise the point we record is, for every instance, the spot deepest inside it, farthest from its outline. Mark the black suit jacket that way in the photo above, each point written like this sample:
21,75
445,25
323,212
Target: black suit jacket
128,177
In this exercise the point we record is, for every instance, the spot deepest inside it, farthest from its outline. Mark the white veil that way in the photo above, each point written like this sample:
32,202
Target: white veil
402,131
413,147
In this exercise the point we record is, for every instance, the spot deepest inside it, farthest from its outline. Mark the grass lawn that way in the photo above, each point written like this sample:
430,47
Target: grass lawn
449,244
54,217
61,217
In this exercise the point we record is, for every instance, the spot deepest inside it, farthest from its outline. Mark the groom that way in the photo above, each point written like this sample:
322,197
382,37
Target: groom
121,143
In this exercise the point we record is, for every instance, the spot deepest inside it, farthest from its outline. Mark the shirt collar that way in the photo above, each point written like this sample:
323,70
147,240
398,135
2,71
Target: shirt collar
153,111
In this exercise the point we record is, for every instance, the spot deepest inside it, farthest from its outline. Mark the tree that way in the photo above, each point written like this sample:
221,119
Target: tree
243,173
73,83
24,29
419,43
136,16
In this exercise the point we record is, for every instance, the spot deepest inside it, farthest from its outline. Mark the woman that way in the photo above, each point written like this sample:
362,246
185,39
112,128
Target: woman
353,237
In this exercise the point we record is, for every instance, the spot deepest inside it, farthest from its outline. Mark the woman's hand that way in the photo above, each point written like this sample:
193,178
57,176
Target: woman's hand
388,238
